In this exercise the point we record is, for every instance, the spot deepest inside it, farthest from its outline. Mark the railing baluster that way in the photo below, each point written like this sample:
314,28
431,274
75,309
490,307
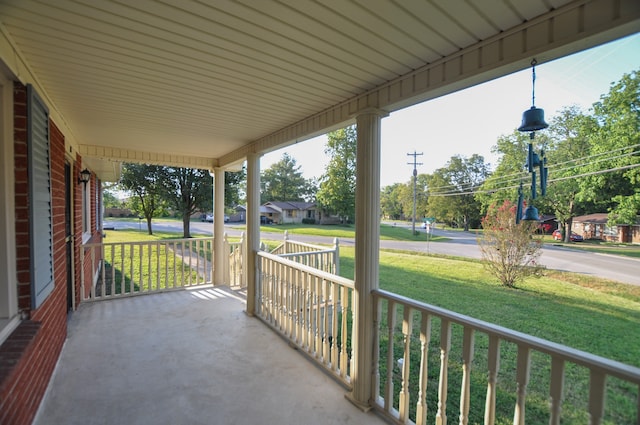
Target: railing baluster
318,316
522,380
425,338
407,329
344,357
131,278
493,364
467,359
377,318
325,315
445,346
141,276
555,390
391,324
158,245
597,380
334,326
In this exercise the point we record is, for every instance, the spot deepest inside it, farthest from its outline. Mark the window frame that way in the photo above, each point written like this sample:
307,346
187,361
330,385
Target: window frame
9,313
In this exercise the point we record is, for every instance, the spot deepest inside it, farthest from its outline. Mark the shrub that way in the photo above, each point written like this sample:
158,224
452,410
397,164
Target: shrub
510,250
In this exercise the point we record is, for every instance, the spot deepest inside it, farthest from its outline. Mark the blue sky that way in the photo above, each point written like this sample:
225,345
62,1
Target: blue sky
471,121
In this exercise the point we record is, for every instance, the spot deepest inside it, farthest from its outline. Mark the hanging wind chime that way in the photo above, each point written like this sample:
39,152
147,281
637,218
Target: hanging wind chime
532,121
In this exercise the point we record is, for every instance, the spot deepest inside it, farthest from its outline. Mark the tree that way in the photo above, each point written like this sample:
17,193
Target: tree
109,200
189,190
452,190
337,193
283,181
510,250
390,203
233,187
616,143
568,154
146,182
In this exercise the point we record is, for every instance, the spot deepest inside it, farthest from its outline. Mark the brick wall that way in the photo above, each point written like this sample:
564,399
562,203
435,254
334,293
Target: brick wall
29,356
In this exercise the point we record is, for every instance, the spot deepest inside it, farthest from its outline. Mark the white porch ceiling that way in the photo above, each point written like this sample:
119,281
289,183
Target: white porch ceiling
204,82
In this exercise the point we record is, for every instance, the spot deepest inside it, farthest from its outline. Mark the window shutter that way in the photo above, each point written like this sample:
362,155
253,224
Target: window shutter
40,198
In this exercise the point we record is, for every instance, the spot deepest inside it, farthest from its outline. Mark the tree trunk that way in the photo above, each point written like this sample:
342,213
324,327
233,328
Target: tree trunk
186,221
149,225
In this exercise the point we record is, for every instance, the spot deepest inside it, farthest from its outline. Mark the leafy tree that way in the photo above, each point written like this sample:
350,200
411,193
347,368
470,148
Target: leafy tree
618,116
283,181
405,197
502,184
453,188
337,193
390,203
233,187
110,200
568,154
146,182
189,190
510,250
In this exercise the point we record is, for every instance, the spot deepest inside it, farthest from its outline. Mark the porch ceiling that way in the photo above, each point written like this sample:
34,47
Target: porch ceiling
202,83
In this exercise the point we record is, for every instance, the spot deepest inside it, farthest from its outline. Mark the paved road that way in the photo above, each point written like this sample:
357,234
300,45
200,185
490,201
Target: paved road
463,244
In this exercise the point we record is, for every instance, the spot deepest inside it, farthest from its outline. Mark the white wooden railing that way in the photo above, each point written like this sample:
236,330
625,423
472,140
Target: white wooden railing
312,309
404,329
131,268
234,270
316,256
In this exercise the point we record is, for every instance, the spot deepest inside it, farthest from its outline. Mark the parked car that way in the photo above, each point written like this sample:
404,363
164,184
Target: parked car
557,235
265,220
209,218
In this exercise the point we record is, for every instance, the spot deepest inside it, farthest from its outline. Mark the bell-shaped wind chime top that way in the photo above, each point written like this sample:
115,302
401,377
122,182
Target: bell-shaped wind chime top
532,121
533,118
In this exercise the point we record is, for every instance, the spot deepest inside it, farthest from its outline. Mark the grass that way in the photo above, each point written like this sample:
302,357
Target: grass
141,268
589,314
583,312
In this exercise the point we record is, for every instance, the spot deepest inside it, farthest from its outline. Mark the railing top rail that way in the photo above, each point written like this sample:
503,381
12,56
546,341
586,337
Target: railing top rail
88,245
311,270
293,254
610,367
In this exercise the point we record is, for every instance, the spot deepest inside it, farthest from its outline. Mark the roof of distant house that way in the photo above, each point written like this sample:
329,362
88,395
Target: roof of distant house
291,205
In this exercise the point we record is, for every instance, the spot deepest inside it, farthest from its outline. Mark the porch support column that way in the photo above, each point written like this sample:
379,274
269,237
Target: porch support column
218,227
367,244
253,228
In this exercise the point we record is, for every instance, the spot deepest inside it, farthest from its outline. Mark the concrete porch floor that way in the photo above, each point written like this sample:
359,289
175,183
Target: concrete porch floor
186,357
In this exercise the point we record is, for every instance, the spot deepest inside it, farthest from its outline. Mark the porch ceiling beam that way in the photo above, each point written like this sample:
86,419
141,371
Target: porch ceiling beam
144,157
576,26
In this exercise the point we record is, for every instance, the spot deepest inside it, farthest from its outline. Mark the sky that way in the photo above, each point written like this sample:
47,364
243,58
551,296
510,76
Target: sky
471,121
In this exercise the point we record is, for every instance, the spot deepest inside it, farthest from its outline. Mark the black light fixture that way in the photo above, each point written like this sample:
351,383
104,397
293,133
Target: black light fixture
85,176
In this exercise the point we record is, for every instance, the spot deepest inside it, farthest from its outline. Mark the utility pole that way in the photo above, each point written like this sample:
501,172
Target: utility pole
415,179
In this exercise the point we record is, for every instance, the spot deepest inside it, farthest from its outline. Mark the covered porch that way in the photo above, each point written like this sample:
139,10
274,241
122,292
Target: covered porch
191,357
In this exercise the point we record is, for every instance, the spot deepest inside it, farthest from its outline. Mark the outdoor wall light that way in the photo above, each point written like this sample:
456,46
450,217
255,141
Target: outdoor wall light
85,176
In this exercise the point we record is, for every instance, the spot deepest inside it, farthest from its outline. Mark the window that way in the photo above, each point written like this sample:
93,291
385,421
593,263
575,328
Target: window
9,318
40,221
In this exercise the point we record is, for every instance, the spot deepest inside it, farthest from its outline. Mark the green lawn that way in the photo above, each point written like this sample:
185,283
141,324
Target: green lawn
590,314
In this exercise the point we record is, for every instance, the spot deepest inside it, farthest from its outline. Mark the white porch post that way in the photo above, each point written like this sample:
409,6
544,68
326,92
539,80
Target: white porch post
253,228
218,227
367,245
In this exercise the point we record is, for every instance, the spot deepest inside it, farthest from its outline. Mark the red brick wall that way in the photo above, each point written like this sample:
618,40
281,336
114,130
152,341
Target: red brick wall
24,384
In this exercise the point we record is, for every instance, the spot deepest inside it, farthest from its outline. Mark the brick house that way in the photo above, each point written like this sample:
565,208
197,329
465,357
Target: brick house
45,216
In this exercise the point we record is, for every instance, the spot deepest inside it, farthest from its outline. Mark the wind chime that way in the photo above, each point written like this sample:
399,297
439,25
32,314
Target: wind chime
532,121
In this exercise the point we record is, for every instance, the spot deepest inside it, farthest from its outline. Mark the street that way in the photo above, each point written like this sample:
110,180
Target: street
461,244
